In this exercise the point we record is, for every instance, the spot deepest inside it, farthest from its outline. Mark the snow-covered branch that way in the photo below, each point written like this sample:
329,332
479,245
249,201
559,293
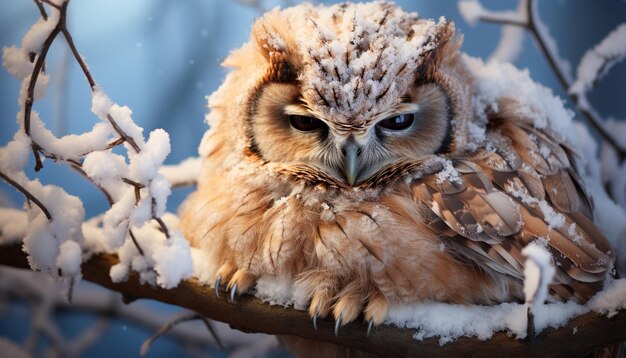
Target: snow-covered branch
473,12
593,66
597,62
137,192
593,328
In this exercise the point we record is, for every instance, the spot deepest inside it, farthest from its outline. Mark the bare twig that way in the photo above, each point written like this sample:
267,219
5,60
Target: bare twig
137,186
42,11
212,331
158,219
51,4
132,237
592,116
167,327
27,194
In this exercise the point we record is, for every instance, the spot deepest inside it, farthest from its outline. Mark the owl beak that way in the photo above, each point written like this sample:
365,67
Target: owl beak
350,162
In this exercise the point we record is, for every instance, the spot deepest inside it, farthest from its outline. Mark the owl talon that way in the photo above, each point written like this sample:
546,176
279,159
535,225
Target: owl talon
369,327
337,325
315,321
233,291
217,286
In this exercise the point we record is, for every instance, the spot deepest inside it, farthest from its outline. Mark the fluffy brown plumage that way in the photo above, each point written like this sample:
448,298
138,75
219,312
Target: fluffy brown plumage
362,215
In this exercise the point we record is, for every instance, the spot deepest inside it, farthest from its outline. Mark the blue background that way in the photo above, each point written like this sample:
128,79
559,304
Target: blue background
162,57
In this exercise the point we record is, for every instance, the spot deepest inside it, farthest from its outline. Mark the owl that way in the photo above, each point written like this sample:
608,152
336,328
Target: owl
343,154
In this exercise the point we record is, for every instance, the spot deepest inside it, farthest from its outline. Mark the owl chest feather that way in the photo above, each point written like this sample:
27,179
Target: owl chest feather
380,240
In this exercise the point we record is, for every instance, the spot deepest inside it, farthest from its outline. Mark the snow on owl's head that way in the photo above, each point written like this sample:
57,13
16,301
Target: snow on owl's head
345,90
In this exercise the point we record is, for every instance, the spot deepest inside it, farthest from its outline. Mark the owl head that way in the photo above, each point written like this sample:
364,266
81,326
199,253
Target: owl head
343,91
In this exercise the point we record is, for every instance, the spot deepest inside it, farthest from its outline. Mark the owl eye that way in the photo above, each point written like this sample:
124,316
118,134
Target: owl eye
397,123
305,124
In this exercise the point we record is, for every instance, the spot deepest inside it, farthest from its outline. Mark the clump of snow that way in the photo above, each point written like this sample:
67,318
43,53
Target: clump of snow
538,274
16,61
204,268
41,245
70,258
451,321
54,234
70,146
145,165
510,45
14,156
275,290
471,10
37,34
172,261
554,219
535,101
609,216
13,225
184,172
611,300
103,107
448,173
107,169
597,61
612,168
165,262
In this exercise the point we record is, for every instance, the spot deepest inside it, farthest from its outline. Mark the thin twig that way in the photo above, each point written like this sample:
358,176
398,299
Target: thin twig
588,113
132,237
114,143
592,117
79,59
92,85
42,10
27,194
51,4
181,318
123,134
137,186
209,326
158,219
497,20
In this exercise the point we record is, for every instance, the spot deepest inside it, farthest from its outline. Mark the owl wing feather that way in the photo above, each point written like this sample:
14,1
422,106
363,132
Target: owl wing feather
520,189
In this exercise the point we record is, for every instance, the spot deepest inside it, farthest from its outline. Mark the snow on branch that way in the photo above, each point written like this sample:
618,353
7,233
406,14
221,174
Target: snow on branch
601,323
597,62
593,66
473,12
136,190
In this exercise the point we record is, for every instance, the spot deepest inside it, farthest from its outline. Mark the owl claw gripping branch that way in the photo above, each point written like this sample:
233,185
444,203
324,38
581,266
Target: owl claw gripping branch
347,153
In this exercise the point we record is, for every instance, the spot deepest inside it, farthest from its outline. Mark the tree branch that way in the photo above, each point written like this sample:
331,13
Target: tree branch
249,314
592,116
29,196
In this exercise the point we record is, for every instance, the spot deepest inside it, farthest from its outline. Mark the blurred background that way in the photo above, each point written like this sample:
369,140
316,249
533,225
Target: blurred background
162,58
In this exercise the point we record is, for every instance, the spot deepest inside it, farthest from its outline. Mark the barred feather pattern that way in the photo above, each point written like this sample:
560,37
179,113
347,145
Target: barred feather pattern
523,188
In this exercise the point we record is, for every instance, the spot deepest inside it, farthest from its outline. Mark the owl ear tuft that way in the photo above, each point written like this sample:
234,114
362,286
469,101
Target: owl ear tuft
272,40
442,46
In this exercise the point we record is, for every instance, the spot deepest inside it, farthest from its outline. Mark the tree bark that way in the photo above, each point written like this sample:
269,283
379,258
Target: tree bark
249,314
